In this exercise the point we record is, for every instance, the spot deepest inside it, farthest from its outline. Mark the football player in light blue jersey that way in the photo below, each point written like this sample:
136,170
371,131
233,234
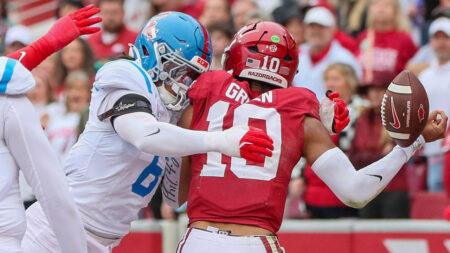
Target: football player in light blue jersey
129,141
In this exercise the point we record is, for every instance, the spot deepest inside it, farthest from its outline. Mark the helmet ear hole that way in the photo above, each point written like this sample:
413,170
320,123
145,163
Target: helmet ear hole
253,49
145,50
287,58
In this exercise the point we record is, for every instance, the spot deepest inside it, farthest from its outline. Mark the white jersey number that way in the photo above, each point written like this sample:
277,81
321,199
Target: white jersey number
214,166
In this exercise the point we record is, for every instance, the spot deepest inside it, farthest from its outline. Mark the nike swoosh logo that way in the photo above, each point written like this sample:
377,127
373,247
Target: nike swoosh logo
22,55
396,123
157,131
377,176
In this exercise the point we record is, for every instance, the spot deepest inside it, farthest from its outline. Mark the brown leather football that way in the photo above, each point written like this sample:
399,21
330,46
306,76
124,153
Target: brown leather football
404,110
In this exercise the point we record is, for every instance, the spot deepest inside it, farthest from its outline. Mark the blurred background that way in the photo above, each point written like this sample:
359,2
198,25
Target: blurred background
355,47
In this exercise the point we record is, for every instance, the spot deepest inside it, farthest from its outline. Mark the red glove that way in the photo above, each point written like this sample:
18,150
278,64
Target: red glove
255,145
64,31
341,118
333,113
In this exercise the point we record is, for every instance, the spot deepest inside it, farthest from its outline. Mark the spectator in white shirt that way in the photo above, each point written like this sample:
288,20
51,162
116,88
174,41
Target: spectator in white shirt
436,80
320,50
63,125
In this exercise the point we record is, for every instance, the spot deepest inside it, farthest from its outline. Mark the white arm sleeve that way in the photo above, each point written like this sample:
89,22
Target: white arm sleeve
356,188
42,170
163,139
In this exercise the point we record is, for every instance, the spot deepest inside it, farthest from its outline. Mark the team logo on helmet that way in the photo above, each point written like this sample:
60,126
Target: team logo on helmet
273,48
150,30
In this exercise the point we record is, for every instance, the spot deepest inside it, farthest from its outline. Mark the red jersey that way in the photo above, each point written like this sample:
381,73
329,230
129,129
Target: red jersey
117,47
390,52
446,170
232,190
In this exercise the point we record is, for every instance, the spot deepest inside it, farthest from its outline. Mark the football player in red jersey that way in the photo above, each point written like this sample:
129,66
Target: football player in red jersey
237,206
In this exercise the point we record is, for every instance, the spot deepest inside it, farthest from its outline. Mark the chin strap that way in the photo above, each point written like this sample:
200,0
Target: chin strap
172,102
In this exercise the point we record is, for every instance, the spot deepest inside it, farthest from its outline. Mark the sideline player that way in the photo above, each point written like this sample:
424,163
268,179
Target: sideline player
237,206
24,146
116,165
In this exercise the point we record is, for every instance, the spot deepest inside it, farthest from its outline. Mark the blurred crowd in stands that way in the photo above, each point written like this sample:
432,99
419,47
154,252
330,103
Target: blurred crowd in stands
355,47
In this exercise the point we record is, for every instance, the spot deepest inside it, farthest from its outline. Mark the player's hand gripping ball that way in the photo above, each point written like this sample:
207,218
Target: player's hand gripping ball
404,109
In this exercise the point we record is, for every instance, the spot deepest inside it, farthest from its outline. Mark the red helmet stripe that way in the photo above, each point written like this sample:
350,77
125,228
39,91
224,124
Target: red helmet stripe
206,43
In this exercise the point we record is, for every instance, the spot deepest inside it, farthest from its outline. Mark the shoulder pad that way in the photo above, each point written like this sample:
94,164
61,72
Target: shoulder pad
123,74
211,81
15,78
302,99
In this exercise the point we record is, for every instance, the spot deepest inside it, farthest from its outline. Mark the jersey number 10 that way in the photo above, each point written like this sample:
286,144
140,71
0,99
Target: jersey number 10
214,166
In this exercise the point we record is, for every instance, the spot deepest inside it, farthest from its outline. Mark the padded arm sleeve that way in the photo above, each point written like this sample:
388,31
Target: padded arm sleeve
356,188
131,117
163,139
41,168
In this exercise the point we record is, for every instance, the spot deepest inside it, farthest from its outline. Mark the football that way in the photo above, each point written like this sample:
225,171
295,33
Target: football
404,109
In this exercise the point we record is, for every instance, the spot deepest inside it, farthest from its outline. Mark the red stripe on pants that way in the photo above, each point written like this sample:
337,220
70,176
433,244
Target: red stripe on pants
266,244
183,242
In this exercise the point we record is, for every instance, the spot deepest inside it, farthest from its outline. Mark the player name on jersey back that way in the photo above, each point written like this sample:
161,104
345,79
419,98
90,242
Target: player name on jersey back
237,93
233,190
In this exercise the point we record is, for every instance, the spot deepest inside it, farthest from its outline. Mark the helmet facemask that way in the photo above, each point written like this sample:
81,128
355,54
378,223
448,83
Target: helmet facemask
175,71
174,49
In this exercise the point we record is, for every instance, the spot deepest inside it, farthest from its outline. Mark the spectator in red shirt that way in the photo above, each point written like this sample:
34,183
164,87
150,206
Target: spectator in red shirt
115,36
343,38
385,46
446,169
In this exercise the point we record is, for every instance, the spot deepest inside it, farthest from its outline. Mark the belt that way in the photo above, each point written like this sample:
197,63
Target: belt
215,230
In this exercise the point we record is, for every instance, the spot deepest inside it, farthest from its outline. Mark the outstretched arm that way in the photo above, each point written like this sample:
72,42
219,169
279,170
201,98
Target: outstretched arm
352,187
133,120
64,31
159,138
42,170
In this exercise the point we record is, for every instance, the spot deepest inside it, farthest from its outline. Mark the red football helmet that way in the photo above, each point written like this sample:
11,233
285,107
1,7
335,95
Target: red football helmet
265,52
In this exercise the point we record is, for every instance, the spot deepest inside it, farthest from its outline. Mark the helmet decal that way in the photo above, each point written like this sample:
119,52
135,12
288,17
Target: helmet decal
175,49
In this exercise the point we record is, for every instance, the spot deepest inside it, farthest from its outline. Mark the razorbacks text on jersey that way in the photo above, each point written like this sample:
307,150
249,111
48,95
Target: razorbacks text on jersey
110,179
232,190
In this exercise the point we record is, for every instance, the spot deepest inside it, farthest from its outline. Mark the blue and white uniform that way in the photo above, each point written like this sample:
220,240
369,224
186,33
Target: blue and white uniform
120,159
24,146
115,179
110,179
